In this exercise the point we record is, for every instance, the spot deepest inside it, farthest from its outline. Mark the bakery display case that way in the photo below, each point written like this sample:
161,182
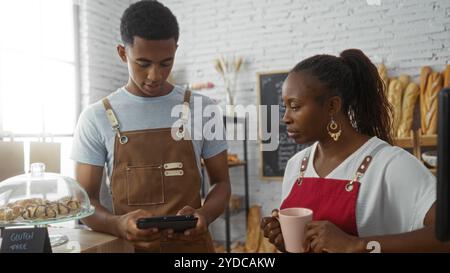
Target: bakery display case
39,198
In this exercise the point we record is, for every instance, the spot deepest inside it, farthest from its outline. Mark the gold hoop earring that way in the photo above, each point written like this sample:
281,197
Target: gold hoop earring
334,129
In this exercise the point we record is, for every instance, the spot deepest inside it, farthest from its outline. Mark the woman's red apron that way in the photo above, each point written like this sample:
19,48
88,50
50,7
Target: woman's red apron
333,200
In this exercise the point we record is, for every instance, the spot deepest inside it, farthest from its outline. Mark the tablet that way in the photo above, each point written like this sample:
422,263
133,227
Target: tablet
177,223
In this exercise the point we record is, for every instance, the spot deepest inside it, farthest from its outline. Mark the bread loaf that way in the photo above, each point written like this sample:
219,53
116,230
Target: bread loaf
424,74
404,81
254,232
408,105
446,75
382,71
430,103
395,98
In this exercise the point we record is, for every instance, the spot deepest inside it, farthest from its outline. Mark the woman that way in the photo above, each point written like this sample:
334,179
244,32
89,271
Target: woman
359,186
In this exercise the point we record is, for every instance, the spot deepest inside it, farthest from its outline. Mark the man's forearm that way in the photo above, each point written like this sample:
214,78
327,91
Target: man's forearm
216,201
422,240
102,220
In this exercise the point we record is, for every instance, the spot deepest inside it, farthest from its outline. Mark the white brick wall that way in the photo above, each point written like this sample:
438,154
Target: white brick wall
101,69
276,34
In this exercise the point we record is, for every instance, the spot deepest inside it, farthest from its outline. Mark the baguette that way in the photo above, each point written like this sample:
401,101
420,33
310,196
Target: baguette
254,233
395,98
446,75
434,86
382,71
404,81
408,105
424,74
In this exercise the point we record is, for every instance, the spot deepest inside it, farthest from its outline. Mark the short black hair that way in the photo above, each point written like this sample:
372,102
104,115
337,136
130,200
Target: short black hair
149,20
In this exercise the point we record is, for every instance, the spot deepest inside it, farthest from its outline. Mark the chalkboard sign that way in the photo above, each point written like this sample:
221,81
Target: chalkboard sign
273,163
25,240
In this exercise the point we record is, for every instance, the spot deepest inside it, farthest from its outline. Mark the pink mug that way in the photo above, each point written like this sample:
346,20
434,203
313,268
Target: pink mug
293,222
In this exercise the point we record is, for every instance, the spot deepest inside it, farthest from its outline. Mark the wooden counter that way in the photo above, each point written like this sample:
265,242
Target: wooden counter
87,241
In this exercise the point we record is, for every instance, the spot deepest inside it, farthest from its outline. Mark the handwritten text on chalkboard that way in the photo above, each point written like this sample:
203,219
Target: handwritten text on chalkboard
274,162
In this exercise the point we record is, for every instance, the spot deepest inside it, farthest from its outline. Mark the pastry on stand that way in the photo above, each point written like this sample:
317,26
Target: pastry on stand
39,199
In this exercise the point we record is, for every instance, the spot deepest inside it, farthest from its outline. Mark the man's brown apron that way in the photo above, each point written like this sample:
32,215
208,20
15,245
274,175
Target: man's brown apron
154,172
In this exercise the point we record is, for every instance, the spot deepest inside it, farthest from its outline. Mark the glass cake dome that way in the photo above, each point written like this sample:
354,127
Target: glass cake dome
40,198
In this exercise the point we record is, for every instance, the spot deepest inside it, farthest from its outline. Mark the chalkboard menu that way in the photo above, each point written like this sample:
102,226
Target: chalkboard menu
273,163
25,240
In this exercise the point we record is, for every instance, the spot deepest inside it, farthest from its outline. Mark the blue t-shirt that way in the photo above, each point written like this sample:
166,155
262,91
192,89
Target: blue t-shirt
94,137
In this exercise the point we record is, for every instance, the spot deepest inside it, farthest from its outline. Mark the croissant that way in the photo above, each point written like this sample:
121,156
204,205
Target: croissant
50,212
6,214
40,212
71,203
63,209
17,211
29,212
39,209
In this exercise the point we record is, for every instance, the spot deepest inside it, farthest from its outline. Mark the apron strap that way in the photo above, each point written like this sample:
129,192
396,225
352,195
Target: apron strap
359,173
184,114
364,166
187,99
114,121
367,160
304,165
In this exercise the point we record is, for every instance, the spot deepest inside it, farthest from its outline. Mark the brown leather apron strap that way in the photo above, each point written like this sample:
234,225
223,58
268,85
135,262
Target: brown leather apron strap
184,114
114,121
106,104
187,99
364,166
304,165
367,160
187,96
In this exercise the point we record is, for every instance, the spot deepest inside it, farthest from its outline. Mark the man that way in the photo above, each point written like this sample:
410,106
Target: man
151,172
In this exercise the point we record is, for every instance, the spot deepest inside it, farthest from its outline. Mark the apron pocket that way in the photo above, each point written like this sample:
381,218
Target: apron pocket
145,185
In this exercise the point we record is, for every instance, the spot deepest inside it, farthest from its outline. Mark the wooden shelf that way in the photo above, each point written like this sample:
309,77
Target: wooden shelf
408,142
236,164
231,164
433,170
416,142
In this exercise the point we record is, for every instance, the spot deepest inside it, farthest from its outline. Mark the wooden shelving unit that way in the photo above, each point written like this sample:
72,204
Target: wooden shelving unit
416,142
233,164
236,164
409,142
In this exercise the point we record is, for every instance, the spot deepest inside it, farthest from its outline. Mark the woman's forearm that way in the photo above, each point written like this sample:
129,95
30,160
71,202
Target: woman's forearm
422,240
